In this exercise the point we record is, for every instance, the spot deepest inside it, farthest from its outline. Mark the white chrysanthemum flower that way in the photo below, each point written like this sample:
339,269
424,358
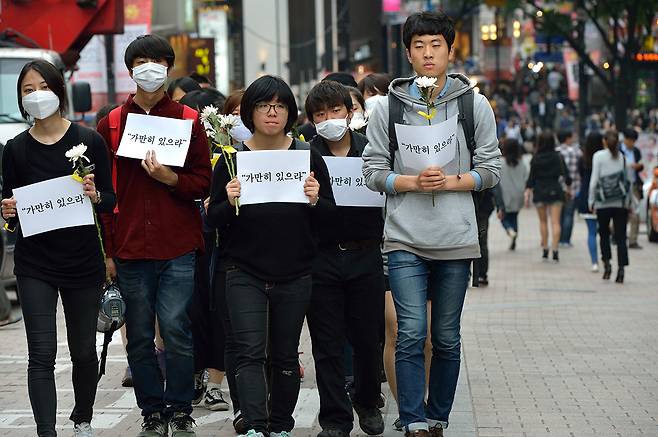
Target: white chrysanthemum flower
358,122
207,112
228,121
425,82
77,152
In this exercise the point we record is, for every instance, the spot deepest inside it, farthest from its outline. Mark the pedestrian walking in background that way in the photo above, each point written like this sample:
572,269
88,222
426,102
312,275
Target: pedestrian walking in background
610,198
593,143
635,166
429,244
268,251
65,262
513,178
547,173
571,154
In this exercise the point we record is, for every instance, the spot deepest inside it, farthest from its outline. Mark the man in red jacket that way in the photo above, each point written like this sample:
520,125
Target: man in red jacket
151,241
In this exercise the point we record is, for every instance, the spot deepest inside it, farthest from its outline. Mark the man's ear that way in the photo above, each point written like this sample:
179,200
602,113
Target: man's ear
451,54
408,55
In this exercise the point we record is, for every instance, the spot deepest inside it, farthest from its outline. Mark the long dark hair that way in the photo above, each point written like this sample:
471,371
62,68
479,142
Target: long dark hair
593,143
546,142
612,142
512,152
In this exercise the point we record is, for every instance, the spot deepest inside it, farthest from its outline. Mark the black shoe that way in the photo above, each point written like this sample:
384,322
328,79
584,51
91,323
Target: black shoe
154,426
544,255
634,246
397,425
512,245
607,270
556,258
181,425
620,276
239,424
199,387
483,281
370,420
333,432
381,401
127,380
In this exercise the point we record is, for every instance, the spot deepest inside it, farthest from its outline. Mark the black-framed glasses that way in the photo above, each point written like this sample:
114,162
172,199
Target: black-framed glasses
264,108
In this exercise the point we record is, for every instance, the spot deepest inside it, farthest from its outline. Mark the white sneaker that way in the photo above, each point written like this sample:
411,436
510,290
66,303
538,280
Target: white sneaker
83,430
595,268
280,434
214,400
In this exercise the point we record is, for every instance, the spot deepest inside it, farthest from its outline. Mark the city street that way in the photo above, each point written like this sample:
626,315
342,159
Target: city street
548,350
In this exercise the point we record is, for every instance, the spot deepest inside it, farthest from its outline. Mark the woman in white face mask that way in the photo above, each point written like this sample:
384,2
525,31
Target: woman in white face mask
66,262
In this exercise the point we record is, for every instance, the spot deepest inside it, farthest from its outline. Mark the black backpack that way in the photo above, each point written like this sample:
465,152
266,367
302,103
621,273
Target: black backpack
465,102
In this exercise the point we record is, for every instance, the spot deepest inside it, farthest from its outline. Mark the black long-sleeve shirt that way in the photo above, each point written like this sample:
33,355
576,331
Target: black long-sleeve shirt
349,223
272,241
69,257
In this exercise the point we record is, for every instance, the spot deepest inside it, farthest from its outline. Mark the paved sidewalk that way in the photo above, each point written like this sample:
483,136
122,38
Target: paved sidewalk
548,350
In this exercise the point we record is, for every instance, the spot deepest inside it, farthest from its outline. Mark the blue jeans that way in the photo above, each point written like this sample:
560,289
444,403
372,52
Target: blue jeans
511,221
591,239
566,221
163,288
413,281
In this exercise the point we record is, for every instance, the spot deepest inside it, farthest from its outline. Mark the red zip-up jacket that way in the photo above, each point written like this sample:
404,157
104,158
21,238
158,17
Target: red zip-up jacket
156,221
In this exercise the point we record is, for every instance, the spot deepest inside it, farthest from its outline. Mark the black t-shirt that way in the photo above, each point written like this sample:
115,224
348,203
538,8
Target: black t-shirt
349,223
69,257
272,241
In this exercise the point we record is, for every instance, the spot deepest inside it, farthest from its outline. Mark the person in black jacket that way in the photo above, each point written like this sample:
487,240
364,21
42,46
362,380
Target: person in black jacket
67,262
268,257
348,281
547,174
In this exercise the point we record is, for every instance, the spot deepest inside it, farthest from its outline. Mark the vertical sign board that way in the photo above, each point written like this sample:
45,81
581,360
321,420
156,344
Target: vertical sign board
213,23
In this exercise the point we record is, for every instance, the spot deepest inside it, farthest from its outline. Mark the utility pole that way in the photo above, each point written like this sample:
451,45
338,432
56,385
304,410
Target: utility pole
109,67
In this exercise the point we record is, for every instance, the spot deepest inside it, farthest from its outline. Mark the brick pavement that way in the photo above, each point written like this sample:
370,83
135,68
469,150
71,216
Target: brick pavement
548,350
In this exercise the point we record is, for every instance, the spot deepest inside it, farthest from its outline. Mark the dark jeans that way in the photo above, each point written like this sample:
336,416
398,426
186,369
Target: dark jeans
207,327
481,265
346,303
267,320
39,304
511,221
165,288
619,217
414,280
566,221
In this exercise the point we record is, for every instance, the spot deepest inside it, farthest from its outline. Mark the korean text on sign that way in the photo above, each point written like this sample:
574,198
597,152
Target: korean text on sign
168,137
424,146
348,184
273,176
53,204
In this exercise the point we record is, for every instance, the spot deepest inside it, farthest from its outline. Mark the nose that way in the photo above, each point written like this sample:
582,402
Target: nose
427,53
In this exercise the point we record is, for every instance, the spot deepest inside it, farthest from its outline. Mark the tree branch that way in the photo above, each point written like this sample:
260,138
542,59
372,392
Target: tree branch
602,31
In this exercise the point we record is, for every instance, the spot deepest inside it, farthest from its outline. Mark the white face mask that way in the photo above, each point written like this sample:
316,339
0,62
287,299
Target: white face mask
150,76
240,132
333,129
41,104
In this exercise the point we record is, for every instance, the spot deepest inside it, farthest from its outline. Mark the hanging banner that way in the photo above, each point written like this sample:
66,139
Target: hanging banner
138,14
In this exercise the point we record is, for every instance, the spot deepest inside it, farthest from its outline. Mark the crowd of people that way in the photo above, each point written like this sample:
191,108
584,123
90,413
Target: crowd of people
214,289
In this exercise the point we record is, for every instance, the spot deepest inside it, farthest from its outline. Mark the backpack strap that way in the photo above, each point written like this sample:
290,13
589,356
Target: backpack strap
114,122
189,113
465,104
395,115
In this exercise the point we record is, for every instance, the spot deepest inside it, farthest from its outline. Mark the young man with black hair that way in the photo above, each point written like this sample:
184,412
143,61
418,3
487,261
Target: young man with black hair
151,241
429,247
348,281
571,154
634,163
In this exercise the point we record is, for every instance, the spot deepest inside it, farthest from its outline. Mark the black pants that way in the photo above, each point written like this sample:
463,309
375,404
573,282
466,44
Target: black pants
230,347
347,303
39,304
619,217
481,265
267,318
207,327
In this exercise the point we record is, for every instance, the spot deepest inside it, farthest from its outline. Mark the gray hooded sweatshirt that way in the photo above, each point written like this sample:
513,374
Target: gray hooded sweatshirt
448,230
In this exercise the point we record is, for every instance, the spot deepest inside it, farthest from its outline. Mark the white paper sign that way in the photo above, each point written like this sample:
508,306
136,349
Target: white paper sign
273,176
349,185
169,137
53,204
424,146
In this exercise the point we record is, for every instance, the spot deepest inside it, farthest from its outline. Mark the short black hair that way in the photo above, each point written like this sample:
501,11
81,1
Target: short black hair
264,89
327,94
199,99
149,46
199,78
564,135
338,76
428,23
53,78
359,97
630,133
185,83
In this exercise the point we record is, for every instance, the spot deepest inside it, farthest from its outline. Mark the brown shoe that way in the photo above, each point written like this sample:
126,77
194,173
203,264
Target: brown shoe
436,431
417,433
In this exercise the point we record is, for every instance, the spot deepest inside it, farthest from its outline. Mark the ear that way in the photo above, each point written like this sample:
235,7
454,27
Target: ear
408,55
451,54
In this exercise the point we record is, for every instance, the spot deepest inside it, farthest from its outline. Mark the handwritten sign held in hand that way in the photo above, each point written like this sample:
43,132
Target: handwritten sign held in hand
424,146
349,185
53,204
273,176
169,137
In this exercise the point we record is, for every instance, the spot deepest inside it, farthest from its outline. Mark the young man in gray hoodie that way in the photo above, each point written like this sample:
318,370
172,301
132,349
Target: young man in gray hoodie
430,232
